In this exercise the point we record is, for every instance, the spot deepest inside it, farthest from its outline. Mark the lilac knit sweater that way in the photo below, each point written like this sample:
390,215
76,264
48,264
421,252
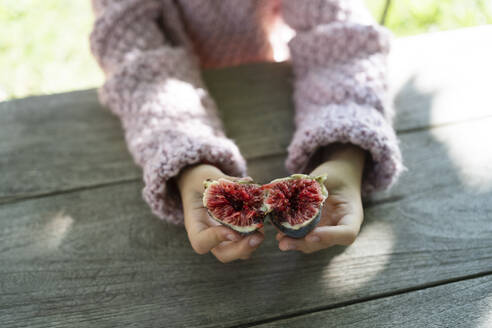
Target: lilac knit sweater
152,51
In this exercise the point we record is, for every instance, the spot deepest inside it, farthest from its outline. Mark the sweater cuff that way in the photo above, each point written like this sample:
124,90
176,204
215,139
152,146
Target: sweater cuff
176,153
350,123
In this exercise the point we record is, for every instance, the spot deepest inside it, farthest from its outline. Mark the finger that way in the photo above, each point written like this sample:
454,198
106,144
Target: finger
228,252
287,243
320,238
203,241
279,236
202,233
354,218
302,245
334,235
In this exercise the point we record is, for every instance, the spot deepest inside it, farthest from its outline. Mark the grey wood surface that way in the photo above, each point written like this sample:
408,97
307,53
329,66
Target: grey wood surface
462,304
98,256
436,79
55,143
78,246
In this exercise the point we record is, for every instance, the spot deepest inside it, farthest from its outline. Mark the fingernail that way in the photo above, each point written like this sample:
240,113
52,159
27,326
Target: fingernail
232,237
254,241
313,239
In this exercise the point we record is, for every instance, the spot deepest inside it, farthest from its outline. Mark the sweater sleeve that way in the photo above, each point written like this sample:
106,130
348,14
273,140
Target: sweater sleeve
339,59
154,85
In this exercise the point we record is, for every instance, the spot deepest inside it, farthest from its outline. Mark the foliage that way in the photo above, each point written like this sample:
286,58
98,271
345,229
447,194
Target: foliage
44,43
407,17
44,47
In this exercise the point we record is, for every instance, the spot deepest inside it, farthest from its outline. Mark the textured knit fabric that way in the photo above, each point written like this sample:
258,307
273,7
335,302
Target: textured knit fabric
152,51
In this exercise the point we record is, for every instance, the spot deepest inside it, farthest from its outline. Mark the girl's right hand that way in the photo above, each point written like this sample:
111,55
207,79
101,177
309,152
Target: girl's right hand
204,233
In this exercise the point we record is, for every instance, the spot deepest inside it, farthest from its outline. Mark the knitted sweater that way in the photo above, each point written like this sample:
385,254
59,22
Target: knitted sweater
152,51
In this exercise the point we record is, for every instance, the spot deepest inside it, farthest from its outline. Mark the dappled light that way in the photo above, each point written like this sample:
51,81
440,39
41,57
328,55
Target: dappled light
103,217
485,320
441,76
46,237
279,36
185,97
469,152
373,248
54,231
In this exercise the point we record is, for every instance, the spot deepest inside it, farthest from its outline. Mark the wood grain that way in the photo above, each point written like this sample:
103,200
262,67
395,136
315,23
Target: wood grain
447,157
86,251
52,144
256,106
98,257
461,304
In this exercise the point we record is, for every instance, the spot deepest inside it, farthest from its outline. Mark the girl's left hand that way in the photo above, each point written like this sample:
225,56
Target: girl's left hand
342,212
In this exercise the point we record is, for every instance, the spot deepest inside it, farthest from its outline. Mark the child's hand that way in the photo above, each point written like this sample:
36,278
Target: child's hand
342,213
204,233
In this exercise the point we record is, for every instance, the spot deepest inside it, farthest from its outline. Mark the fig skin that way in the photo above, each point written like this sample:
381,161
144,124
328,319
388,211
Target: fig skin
268,212
243,230
304,230
299,233
233,227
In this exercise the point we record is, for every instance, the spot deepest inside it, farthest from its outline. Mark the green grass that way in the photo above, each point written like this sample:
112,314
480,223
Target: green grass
409,17
44,47
44,44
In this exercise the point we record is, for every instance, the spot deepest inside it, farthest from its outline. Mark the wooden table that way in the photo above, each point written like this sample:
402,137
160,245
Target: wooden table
79,247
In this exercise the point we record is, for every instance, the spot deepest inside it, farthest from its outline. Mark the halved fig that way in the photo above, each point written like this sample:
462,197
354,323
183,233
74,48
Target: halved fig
237,204
294,203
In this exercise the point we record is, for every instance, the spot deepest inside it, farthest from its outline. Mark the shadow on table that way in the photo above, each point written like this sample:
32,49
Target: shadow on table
403,242
448,182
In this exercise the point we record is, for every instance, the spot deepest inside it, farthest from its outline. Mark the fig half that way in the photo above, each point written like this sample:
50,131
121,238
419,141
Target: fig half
294,203
237,204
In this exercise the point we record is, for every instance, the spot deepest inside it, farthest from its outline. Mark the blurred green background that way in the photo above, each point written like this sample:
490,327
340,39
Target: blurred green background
44,43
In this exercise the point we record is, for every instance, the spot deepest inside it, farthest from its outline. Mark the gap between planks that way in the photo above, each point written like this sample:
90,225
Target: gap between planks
364,299
440,125
20,198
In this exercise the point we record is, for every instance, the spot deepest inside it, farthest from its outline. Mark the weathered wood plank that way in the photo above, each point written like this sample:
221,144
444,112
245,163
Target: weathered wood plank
63,142
460,304
60,142
443,158
256,106
99,257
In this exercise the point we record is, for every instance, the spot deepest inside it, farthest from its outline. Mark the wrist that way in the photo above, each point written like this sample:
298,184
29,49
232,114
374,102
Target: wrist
193,173
344,162
343,152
